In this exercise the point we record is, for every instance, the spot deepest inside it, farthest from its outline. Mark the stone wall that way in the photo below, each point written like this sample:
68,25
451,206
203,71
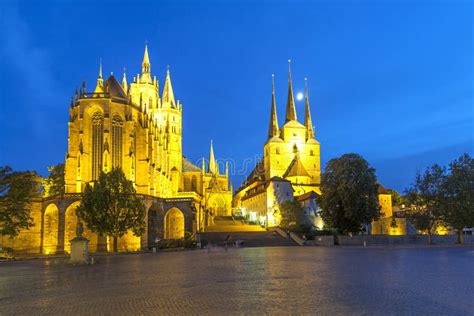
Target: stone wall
29,240
385,240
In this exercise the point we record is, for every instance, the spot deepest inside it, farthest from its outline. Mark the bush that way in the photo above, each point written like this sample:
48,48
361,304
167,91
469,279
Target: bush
6,253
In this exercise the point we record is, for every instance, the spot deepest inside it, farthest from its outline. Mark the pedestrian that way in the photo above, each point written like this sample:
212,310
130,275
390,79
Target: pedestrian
226,242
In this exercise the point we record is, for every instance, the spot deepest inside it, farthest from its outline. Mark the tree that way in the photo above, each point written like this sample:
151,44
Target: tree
54,183
349,194
424,200
458,195
16,191
111,207
292,213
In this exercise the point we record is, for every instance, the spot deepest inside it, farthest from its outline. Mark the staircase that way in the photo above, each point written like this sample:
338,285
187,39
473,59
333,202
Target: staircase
226,224
249,239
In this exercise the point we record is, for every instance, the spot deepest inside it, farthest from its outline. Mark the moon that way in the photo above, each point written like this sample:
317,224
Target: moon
299,96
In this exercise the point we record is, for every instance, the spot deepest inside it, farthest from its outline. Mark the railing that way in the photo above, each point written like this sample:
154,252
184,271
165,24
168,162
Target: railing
94,95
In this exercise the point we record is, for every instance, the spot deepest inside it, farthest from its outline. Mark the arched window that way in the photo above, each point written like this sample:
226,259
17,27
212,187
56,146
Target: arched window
277,150
117,132
97,145
311,152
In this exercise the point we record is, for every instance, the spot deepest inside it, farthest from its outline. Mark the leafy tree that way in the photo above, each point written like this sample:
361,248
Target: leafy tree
425,198
458,195
54,183
16,191
349,194
111,207
292,213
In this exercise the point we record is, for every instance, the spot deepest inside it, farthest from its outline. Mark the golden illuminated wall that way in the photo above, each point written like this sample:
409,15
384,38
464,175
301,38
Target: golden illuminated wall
280,152
29,240
389,226
385,202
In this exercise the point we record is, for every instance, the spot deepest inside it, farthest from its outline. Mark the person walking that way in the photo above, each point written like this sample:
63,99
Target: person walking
226,242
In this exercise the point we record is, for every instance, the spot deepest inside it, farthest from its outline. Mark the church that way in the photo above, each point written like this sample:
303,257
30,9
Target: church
134,127
291,164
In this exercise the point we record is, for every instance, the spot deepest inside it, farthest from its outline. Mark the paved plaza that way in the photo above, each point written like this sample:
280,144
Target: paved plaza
277,280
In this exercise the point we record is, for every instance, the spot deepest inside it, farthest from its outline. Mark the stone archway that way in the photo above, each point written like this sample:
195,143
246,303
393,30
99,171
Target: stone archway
50,229
70,222
174,224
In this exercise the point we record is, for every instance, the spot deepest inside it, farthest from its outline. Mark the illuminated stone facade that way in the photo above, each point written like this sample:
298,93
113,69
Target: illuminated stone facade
132,127
290,154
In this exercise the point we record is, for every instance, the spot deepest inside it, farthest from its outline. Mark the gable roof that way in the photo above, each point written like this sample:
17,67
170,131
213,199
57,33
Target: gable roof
306,196
296,168
114,88
189,166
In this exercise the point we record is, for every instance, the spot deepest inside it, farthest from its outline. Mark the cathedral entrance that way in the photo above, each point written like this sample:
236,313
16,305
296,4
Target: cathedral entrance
50,229
174,224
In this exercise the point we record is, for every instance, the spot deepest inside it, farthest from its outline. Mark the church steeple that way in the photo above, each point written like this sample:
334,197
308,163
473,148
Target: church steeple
168,95
100,81
213,167
307,114
273,129
146,67
124,81
290,104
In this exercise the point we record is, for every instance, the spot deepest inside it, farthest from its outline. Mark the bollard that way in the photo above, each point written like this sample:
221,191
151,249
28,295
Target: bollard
154,249
365,243
92,260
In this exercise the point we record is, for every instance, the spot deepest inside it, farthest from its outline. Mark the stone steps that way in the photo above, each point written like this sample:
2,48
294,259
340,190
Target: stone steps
249,239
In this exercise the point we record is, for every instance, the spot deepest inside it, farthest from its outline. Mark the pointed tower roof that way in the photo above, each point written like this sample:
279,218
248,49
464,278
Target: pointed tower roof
290,104
124,81
307,114
168,95
99,88
146,61
146,67
213,167
273,128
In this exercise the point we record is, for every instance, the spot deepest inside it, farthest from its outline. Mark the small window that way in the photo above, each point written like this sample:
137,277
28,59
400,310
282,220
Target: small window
311,152
277,150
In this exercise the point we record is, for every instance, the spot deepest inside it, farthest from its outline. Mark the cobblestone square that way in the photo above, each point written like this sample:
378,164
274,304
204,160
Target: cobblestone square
278,280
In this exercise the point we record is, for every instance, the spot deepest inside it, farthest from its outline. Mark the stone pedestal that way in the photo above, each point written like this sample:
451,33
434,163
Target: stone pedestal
79,250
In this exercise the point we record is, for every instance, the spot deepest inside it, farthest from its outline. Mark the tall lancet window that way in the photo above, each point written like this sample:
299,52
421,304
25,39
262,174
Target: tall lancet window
97,144
117,132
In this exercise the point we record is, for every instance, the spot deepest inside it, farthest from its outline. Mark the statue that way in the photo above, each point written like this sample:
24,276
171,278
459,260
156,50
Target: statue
79,246
79,229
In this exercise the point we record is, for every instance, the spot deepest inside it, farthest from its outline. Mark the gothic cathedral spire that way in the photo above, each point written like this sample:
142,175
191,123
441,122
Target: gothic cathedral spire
124,81
307,114
273,129
290,104
100,81
213,167
146,67
168,95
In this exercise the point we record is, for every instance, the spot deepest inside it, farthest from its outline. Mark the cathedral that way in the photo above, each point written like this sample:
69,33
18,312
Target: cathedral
133,127
290,166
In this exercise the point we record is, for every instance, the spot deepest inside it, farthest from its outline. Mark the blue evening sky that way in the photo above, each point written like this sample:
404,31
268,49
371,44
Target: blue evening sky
390,80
